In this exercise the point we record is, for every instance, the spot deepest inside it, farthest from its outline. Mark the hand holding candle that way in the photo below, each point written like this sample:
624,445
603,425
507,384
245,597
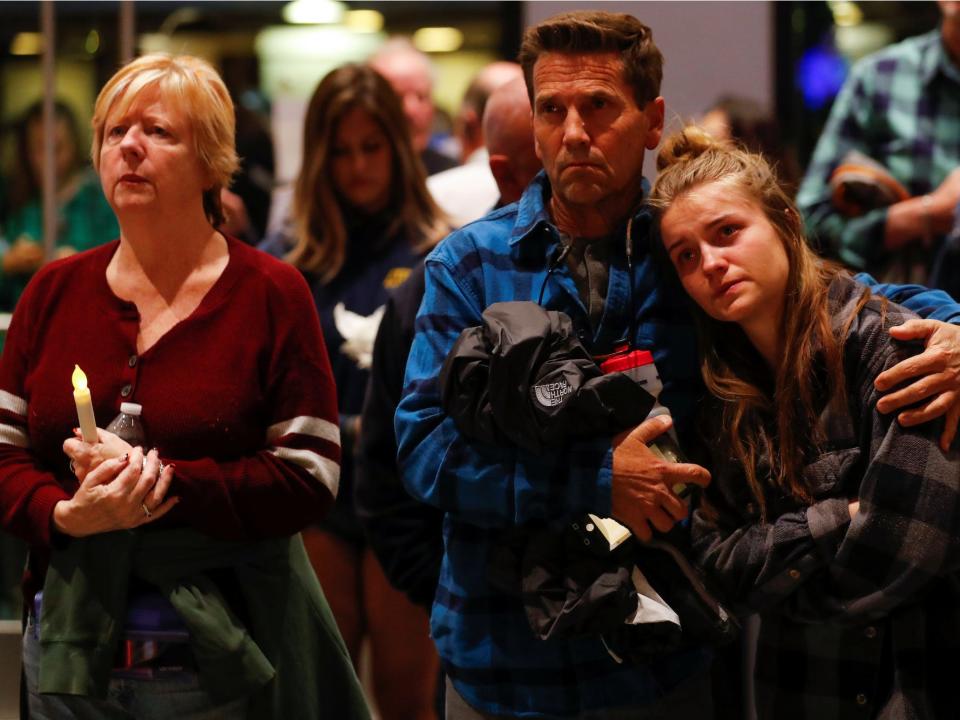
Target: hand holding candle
81,396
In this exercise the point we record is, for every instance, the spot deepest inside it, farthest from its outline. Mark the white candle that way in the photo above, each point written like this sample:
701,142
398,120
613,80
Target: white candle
81,396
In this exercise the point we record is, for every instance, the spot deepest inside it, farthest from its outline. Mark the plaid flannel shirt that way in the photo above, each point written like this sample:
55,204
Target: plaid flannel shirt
482,635
901,107
854,614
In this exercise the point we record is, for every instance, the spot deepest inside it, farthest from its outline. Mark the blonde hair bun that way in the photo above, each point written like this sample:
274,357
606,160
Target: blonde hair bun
688,144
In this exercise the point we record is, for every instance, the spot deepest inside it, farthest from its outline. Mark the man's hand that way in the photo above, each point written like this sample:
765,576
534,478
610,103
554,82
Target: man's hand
937,373
919,219
641,494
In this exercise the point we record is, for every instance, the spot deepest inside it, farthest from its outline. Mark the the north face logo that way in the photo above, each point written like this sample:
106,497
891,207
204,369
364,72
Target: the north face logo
551,394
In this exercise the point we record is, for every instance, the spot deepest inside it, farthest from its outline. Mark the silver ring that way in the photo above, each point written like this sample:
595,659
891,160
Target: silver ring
146,510
73,468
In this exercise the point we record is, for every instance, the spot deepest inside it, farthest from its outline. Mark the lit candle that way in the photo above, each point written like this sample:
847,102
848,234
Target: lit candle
81,396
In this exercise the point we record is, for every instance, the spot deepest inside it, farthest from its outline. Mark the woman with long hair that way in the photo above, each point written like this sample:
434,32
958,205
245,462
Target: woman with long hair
84,219
362,218
834,522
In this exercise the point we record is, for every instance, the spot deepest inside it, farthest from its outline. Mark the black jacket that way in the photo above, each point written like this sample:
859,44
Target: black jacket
523,377
405,534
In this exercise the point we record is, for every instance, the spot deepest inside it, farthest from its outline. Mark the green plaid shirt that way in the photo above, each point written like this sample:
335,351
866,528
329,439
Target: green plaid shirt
901,107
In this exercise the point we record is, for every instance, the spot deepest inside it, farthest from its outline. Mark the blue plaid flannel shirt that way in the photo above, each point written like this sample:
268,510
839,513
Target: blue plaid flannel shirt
482,635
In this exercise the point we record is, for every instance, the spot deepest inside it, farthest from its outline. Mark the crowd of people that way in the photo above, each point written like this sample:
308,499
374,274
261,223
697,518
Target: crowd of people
357,441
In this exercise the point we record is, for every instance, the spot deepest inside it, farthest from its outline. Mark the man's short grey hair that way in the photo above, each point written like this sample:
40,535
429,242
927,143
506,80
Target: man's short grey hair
401,45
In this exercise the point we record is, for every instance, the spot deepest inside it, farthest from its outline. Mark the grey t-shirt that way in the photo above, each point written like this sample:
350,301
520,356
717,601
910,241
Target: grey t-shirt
589,263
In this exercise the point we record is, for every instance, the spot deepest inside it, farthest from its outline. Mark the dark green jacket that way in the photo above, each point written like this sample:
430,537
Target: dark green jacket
291,660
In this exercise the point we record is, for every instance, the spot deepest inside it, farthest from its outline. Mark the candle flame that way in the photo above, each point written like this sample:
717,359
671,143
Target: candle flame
78,378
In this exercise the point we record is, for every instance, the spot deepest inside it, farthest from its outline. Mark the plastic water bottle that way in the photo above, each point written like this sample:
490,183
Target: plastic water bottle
128,426
639,365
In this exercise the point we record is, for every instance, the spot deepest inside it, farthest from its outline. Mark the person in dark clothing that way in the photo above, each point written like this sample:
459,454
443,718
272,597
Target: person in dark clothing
362,217
406,534
253,185
435,161
246,205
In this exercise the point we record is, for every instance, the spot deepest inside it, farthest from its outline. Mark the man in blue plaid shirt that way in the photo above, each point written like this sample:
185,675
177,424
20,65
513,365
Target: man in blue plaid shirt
901,108
578,241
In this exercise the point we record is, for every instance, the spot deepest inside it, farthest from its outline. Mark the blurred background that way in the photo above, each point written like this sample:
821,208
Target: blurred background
791,58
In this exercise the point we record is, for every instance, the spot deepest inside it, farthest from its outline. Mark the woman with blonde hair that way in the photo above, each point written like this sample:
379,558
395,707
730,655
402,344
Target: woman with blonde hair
832,520
190,541
362,218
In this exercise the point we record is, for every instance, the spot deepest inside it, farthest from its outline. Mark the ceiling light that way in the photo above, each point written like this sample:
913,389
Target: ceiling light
363,21
92,42
438,39
846,13
313,12
26,43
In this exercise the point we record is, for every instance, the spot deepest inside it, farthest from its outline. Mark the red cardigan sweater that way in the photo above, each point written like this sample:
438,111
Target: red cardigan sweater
239,396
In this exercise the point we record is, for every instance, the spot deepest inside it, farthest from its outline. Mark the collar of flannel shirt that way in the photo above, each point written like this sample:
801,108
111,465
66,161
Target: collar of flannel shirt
534,233
934,59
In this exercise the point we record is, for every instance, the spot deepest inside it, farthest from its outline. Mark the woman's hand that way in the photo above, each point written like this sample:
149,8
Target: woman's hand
86,457
935,373
121,493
